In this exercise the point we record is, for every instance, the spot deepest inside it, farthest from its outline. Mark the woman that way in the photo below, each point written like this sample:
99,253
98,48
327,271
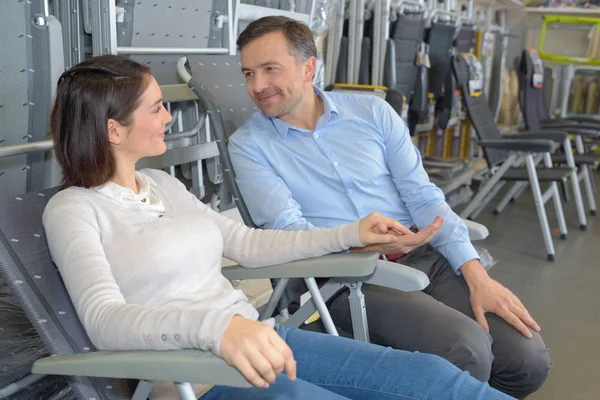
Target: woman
140,257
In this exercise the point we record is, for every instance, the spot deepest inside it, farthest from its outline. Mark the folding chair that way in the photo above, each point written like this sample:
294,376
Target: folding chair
26,266
536,115
407,279
505,154
392,275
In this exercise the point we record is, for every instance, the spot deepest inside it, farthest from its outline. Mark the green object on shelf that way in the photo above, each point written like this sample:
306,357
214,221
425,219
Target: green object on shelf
554,19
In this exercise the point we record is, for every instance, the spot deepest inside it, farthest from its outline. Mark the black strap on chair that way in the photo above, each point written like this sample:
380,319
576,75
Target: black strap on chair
419,104
444,103
532,98
440,40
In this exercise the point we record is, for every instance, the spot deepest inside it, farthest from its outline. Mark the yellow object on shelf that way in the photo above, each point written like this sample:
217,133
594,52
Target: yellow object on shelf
593,54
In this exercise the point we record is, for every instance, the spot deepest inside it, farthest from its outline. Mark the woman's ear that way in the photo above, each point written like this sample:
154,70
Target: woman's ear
115,134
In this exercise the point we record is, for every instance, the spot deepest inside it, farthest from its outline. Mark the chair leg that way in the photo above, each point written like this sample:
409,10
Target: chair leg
489,197
475,203
142,391
317,299
516,187
589,190
520,192
539,205
578,200
574,182
274,299
560,215
328,290
358,312
185,391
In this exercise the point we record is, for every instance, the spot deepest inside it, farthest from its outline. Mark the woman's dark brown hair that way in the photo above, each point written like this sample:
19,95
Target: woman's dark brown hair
88,95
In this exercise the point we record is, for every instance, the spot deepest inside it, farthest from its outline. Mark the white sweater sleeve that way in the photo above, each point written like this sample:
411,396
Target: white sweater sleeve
253,248
75,245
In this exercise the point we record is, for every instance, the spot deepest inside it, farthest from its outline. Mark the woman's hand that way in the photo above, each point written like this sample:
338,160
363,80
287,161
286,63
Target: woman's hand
257,351
385,235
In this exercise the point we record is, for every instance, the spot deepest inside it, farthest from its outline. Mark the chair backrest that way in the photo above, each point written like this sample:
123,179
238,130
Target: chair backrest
465,41
532,98
27,268
468,75
406,34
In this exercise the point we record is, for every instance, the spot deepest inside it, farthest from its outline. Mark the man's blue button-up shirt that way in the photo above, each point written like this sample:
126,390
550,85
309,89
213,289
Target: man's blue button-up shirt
358,160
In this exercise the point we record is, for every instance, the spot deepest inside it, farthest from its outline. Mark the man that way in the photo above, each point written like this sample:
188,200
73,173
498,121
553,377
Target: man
314,159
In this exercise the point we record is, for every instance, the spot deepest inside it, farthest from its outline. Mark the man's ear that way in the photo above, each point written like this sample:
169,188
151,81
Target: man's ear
115,132
310,66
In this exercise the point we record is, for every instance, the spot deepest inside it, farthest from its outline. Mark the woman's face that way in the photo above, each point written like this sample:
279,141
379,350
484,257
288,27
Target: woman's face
144,137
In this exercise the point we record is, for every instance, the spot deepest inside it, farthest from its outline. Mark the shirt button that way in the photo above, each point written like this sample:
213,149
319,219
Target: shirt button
201,342
177,337
316,135
164,338
335,164
149,337
349,190
143,200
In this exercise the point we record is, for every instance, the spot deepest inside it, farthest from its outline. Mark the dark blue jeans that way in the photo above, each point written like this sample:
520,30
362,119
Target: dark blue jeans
331,367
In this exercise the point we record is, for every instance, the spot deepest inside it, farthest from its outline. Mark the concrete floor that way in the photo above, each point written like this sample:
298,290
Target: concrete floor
563,296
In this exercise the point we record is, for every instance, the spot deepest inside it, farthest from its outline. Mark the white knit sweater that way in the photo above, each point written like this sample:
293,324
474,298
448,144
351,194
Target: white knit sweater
145,274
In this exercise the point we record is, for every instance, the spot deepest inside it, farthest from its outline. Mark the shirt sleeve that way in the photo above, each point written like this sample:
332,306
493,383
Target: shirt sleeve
74,240
253,248
266,195
424,201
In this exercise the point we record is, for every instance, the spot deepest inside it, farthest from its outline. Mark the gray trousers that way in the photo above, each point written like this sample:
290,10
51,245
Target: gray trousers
439,320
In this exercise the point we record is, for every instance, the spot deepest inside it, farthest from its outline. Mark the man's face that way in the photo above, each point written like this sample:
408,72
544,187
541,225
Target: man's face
276,82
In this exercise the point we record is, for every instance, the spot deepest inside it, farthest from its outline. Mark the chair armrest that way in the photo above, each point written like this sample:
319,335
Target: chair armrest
586,119
528,145
397,276
577,130
332,265
577,120
551,134
476,231
593,127
193,366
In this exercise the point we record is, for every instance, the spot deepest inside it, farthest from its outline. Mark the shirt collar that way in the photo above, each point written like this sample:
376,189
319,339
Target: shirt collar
120,193
330,108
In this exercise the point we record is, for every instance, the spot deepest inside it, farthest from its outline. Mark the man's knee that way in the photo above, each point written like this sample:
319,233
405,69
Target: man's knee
524,369
472,351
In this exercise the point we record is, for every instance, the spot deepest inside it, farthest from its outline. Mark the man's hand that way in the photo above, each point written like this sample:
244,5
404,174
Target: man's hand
257,351
488,295
406,240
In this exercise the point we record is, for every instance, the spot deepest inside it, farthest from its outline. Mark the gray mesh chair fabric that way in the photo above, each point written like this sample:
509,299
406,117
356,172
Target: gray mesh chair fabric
26,265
